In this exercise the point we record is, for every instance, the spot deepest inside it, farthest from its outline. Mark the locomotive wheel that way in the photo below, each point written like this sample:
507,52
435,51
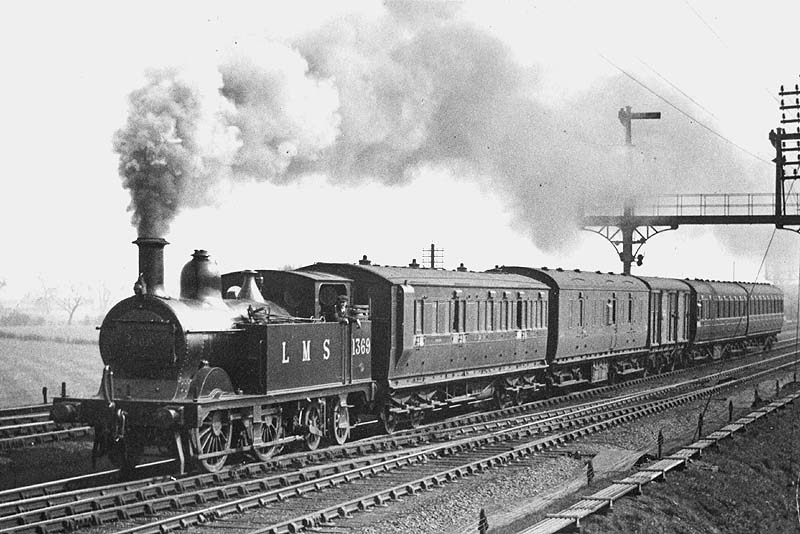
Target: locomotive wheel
340,422
214,435
389,420
271,430
312,420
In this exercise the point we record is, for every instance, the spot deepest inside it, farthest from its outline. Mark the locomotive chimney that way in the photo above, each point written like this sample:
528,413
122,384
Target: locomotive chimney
151,264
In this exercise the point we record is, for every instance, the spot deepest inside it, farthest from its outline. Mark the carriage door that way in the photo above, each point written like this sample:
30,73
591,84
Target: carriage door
672,317
655,317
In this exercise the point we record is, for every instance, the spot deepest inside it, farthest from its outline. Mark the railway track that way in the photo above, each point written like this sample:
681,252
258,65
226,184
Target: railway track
25,426
472,446
38,433
25,414
419,470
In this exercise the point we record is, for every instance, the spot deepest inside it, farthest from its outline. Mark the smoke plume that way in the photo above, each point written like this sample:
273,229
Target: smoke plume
378,100
173,149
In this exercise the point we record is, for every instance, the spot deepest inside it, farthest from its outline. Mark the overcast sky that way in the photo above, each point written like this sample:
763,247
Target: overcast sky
69,68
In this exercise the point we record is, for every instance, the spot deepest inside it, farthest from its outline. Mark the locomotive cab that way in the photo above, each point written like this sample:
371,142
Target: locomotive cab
311,295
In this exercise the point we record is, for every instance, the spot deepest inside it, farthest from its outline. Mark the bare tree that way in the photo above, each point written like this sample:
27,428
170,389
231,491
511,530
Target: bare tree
71,302
46,298
103,298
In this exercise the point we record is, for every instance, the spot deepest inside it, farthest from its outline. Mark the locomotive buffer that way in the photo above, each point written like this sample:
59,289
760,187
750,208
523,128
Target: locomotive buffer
634,226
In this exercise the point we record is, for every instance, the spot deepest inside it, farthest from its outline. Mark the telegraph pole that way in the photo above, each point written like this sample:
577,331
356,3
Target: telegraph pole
433,257
782,142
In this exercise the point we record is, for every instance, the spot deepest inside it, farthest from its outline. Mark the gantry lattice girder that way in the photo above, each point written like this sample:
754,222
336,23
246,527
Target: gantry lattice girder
629,226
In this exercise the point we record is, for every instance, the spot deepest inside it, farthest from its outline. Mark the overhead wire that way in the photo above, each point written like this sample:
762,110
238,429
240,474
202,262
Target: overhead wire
695,102
719,38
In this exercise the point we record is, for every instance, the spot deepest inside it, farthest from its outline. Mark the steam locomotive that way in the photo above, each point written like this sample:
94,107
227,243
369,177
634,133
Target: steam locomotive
251,361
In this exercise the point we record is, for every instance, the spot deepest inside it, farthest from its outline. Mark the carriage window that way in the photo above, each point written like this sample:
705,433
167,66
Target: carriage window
544,313
528,314
613,308
630,307
418,316
539,311
459,315
581,311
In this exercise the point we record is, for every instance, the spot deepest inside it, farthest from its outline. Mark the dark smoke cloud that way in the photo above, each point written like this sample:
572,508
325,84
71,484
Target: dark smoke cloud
171,154
379,100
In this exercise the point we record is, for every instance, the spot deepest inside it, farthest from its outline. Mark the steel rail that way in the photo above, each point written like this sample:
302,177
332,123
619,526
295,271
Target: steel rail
76,501
26,440
616,416
364,503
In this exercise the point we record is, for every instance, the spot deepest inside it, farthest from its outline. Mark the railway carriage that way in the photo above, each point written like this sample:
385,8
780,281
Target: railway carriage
444,338
765,313
720,325
598,324
669,322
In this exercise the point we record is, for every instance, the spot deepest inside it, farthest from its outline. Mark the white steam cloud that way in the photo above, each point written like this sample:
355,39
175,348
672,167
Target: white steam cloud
376,101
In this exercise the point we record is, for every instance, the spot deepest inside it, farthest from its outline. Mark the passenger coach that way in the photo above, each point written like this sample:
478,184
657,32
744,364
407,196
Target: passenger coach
598,324
441,338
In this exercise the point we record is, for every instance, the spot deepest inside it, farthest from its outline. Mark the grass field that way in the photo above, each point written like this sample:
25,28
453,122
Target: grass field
27,365
86,334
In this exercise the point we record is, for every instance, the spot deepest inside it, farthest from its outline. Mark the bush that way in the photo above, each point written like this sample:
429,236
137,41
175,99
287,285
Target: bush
16,318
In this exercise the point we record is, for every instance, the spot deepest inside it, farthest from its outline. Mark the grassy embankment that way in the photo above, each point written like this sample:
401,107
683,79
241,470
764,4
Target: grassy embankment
32,357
